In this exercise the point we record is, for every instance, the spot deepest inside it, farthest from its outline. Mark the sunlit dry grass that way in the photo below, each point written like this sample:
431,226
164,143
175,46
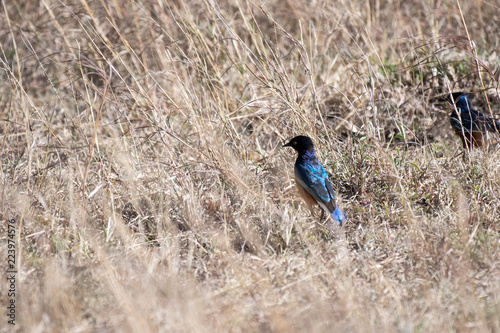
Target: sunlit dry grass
142,163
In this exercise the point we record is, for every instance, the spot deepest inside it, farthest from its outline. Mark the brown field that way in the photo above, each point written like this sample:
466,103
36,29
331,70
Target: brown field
143,171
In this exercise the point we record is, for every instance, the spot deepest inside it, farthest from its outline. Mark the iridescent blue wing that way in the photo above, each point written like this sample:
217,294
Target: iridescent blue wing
313,178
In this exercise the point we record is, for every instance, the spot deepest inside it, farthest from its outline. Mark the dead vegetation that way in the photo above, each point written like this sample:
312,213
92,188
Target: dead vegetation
142,163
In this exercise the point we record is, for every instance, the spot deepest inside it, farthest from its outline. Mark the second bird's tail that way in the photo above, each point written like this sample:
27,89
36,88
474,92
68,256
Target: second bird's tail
493,125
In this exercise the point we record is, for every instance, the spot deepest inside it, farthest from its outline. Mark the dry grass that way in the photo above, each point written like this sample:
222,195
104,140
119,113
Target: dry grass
141,161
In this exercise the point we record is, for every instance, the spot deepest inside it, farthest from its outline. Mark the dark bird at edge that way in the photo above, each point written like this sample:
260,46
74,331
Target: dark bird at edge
470,124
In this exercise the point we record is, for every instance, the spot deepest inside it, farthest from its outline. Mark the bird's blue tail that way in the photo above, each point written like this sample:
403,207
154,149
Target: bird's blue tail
338,216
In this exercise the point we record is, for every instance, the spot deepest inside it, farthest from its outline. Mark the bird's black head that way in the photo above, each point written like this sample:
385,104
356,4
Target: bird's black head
301,144
460,100
456,96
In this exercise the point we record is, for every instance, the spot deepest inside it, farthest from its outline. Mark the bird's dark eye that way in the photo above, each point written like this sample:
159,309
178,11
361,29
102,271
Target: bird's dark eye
295,143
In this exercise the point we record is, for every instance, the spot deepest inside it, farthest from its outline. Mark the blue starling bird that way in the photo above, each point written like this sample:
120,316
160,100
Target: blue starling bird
470,124
312,180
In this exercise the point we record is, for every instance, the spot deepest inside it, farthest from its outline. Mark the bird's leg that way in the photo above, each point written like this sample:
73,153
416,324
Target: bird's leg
322,215
458,154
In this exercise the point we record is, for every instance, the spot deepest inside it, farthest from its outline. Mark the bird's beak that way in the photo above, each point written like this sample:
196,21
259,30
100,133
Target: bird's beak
287,145
446,99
